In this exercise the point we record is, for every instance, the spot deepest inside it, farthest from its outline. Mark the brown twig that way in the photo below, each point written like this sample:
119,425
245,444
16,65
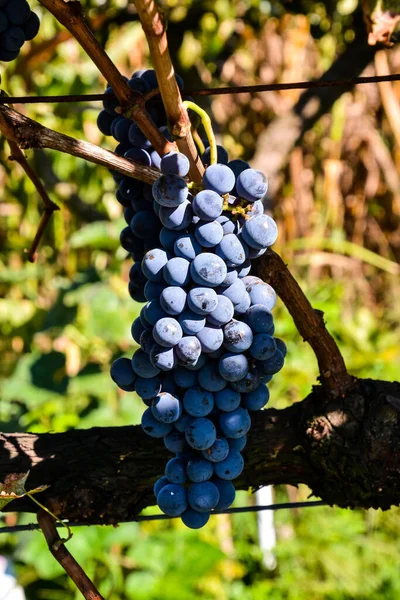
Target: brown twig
309,322
243,89
70,14
30,134
50,206
155,31
65,558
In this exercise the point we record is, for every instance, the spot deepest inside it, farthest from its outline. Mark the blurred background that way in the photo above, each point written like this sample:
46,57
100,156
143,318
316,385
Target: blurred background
333,158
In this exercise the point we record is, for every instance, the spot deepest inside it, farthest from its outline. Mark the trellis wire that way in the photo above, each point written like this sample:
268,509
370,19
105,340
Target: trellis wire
244,89
141,518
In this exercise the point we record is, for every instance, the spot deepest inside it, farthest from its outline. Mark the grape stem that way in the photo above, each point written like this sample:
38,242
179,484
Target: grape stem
70,14
66,560
206,122
28,133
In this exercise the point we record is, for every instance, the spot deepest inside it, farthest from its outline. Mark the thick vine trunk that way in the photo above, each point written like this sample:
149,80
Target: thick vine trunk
346,450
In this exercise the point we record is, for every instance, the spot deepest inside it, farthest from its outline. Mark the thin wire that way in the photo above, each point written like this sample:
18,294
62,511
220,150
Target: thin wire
243,89
230,511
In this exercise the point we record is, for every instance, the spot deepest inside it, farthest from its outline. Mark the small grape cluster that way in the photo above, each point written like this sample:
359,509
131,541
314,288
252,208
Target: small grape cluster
206,333
18,24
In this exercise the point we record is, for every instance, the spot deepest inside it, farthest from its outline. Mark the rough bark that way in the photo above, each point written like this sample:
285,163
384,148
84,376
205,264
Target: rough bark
346,450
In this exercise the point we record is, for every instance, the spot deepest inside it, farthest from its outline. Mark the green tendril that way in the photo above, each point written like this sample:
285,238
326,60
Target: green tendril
62,541
206,122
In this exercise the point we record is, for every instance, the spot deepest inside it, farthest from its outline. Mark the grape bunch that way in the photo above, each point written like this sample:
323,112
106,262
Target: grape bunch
18,24
206,334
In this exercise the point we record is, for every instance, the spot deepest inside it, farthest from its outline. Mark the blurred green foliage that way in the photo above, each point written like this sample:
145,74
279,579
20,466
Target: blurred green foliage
66,317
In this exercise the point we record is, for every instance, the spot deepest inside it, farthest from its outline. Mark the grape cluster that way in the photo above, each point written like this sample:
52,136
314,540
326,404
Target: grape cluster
18,24
206,333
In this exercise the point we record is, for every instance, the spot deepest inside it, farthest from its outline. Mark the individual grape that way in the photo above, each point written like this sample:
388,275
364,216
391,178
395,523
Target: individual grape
191,322
129,213
199,469
175,163
153,289
203,497
259,318
227,399
248,383
136,276
251,185
210,338
136,137
273,364
207,205
281,346
153,264
257,399
175,442
166,408
121,130
139,204
143,320
137,330
153,312
201,433
218,178
202,300
155,159
230,467
238,336
218,451
167,332
17,11
168,237
184,378
162,358
104,118
154,428
159,484
210,378
148,388
172,500
176,271
188,350
145,224
208,269
194,519
136,294
198,402
226,493
31,26
222,155
176,218
260,232
237,443
223,313
131,189
175,470
235,423
173,300
208,233
123,375
242,307
263,346
262,293
236,292
170,190
110,104
257,208
8,55
142,366
186,246
233,367
231,250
